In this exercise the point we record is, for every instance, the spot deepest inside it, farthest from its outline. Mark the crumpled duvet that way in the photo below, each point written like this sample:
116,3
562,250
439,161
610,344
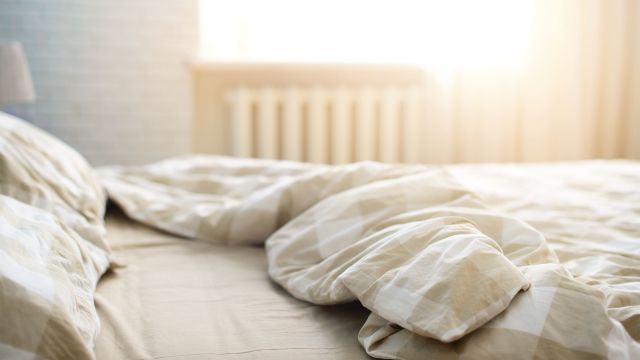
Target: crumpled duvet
444,273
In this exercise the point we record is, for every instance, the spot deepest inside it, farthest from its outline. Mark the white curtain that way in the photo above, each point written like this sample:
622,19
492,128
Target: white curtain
517,80
577,96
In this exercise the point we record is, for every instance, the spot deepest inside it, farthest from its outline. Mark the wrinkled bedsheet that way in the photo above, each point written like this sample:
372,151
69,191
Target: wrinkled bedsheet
453,262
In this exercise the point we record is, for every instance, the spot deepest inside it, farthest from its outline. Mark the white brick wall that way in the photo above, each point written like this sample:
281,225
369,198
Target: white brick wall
111,76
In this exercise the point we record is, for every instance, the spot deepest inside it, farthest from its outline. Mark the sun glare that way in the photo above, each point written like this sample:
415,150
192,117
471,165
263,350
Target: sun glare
437,34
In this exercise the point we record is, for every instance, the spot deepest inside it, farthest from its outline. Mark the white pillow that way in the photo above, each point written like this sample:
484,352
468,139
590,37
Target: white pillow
40,170
52,245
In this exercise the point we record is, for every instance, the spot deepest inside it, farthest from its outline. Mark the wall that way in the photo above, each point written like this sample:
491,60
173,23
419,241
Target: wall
111,76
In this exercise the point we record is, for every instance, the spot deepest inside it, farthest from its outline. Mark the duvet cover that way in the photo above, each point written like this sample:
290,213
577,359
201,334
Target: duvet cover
453,262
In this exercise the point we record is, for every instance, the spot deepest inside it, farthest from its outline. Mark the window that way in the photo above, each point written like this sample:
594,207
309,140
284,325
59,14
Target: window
435,33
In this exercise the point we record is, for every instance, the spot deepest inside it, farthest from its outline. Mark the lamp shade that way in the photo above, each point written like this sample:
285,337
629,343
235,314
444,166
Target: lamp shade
16,85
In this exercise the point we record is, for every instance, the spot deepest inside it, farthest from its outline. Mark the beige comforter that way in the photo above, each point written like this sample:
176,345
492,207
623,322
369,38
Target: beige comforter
441,256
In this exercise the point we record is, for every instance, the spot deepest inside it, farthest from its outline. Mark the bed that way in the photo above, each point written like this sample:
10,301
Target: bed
209,256
178,298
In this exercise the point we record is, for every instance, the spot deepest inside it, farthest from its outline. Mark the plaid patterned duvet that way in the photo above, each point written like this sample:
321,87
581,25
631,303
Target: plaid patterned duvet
448,267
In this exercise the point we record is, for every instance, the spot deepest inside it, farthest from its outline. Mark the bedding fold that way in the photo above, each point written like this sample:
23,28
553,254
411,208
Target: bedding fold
442,273
53,246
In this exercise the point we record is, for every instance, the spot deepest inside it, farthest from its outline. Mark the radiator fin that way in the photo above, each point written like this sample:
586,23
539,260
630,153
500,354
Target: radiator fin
325,125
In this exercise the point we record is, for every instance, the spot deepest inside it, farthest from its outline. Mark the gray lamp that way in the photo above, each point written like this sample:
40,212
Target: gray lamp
16,85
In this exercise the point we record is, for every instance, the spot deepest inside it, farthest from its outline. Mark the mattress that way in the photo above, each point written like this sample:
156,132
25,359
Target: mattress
180,299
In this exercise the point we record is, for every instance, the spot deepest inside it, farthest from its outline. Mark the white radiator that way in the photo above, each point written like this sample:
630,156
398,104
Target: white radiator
325,124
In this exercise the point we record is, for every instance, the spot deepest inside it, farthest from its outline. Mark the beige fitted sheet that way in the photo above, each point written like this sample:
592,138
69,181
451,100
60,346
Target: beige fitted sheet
182,299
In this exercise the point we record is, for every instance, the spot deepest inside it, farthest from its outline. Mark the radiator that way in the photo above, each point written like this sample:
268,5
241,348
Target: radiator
325,124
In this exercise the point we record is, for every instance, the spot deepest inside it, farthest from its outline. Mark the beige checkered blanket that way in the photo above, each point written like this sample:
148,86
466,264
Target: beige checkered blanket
445,272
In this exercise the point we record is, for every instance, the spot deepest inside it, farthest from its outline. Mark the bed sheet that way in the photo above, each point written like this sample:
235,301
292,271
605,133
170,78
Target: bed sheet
182,299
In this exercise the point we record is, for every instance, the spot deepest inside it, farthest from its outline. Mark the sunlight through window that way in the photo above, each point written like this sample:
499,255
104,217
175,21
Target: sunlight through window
438,34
